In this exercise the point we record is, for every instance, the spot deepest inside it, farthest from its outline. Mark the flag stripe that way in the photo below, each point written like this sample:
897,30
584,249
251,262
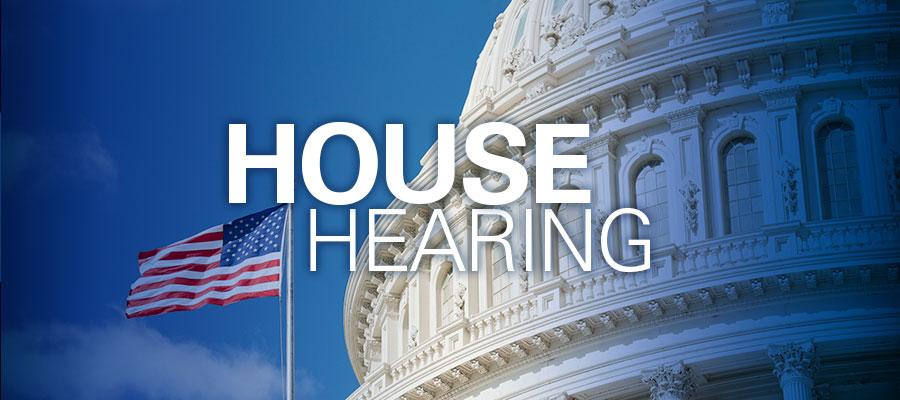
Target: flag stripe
171,263
218,302
178,268
252,268
208,296
191,274
190,292
209,235
208,241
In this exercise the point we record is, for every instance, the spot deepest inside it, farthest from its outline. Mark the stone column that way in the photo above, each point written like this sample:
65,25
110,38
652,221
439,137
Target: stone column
795,367
670,382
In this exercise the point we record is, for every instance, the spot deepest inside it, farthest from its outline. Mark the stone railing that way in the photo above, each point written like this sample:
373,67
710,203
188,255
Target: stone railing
849,235
521,309
671,264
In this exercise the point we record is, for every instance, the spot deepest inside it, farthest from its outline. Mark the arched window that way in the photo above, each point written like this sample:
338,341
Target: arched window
742,194
838,170
520,29
501,279
446,300
650,196
571,216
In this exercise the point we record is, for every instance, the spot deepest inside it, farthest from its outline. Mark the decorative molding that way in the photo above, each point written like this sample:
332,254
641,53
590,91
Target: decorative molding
648,91
776,60
845,54
599,145
690,191
487,92
609,57
620,102
522,271
584,327
670,382
440,385
681,92
826,108
794,361
459,301
539,343
421,393
537,90
563,30
882,86
734,122
685,118
458,376
687,32
811,57
517,60
777,12
785,97
743,69
711,74
593,116
790,188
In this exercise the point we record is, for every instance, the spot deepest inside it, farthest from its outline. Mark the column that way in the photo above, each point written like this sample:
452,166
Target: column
670,382
782,157
795,367
686,125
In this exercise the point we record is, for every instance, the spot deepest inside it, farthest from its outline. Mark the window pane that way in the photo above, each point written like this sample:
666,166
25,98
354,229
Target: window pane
839,184
743,198
501,281
651,198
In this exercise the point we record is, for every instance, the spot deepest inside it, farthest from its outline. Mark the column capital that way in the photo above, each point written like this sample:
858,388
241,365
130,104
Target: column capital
794,362
670,382
785,97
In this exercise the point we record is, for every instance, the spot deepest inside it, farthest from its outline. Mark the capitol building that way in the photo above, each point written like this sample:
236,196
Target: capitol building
762,139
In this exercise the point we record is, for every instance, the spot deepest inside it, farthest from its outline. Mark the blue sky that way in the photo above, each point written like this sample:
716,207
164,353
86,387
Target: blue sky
115,120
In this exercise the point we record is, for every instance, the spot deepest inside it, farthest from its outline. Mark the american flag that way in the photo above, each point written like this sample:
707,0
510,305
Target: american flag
226,263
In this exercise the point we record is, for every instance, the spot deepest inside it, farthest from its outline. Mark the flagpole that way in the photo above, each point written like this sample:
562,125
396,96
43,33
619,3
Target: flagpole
289,306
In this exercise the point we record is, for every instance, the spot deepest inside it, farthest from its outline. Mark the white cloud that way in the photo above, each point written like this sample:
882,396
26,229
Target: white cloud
307,387
78,156
128,360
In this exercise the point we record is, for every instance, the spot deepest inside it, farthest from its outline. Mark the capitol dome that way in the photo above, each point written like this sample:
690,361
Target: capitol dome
759,136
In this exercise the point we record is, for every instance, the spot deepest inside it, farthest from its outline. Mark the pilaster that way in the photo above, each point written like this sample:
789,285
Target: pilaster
686,125
782,154
603,164
884,113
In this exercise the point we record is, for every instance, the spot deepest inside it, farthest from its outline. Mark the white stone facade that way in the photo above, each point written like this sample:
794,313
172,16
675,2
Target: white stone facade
762,138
